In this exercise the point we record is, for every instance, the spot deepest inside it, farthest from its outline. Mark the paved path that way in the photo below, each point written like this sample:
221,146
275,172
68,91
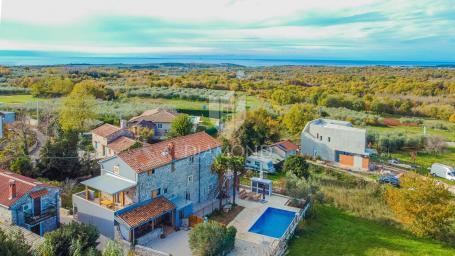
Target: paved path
40,142
175,244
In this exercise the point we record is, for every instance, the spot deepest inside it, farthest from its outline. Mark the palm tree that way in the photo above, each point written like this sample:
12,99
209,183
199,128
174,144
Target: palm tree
236,165
219,167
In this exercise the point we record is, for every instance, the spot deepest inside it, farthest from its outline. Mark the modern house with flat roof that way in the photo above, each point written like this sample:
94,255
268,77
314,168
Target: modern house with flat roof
28,203
335,141
143,192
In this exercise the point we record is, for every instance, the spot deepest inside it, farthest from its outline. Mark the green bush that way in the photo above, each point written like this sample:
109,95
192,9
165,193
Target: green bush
212,239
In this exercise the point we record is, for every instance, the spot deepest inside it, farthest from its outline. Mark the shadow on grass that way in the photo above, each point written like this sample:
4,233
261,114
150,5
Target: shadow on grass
334,232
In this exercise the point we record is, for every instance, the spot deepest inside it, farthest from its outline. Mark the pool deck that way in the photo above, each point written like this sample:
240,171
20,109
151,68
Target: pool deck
249,243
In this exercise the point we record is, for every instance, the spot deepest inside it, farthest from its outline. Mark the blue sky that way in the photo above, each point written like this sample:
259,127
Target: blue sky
421,30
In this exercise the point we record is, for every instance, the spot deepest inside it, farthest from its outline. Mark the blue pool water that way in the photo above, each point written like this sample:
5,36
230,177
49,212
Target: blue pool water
273,222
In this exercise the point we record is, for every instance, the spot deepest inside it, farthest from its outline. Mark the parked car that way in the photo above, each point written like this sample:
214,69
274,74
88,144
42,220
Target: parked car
389,179
443,171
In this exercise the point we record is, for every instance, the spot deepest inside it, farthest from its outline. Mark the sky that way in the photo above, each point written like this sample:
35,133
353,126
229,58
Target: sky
414,30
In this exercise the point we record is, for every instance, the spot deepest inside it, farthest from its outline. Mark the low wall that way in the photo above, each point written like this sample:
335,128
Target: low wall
91,213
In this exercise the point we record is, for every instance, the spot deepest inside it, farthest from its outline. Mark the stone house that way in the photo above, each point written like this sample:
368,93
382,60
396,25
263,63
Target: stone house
159,120
28,203
143,192
108,140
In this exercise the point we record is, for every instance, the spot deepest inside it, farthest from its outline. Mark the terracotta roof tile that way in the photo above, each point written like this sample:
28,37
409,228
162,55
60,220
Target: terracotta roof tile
287,145
23,186
158,115
142,214
153,156
105,130
120,144
38,193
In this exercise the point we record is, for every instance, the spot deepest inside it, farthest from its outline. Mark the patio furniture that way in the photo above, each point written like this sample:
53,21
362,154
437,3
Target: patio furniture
107,203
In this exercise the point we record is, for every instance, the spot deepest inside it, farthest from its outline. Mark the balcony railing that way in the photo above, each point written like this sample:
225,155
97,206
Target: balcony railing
31,219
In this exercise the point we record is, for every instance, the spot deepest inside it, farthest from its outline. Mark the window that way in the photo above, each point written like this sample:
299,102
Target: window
190,178
317,135
156,192
150,172
116,169
165,191
257,163
191,159
187,196
320,138
96,144
25,207
328,139
159,126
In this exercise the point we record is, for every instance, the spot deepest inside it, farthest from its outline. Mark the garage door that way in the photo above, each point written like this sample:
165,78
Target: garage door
346,160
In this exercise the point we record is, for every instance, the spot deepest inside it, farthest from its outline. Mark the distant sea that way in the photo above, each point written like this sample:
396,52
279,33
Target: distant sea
25,58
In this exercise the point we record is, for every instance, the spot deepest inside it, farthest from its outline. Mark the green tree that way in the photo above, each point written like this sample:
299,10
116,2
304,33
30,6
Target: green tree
77,111
13,244
424,206
258,128
297,166
219,167
73,239
22,165
181,126
113,249
298,116
236,165
59,157
212,239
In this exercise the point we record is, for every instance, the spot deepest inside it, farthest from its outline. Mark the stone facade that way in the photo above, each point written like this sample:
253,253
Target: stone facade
100,143
190,178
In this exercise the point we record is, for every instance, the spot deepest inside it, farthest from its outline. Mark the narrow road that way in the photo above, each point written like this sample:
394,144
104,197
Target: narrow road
40,141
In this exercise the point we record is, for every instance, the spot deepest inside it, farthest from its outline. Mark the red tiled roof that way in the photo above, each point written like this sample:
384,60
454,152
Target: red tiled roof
23,186
120,144
153,156
38,193
105,130
158,115
146,212
287,145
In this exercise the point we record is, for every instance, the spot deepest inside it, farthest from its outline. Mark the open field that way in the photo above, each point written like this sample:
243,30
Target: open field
335,232
413,130
18,98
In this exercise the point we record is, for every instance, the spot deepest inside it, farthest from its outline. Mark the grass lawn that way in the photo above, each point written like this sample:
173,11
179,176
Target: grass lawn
413,130
18,98
425,160
335,232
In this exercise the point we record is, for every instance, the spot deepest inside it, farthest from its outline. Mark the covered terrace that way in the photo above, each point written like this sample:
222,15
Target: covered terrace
152,218
108,190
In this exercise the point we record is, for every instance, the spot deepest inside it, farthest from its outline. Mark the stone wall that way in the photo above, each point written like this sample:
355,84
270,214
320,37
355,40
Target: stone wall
191,178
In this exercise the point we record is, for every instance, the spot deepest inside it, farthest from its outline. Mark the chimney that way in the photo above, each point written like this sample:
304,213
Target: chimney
171,150
12,189
123,124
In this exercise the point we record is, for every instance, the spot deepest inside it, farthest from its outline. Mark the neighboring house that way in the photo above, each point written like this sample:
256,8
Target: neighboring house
28,203
108,140
267,158
284,148
144,191
6,118
335,141
158,119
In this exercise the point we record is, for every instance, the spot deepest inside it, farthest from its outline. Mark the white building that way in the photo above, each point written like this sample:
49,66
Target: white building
335,141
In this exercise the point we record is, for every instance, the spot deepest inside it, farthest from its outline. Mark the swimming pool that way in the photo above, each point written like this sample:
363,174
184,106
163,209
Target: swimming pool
273,222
